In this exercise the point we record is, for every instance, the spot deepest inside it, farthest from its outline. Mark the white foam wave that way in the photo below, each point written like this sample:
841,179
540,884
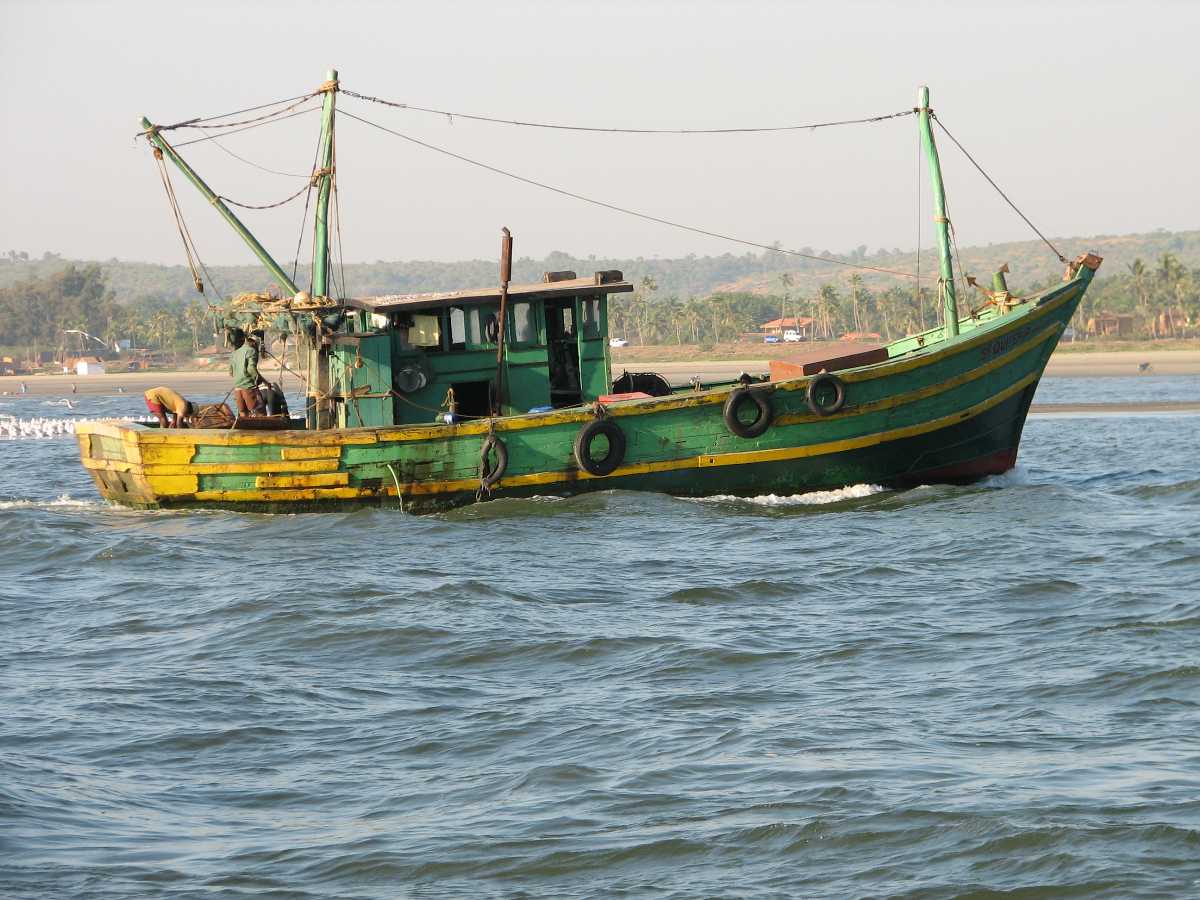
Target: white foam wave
64,501
812,498
1013,477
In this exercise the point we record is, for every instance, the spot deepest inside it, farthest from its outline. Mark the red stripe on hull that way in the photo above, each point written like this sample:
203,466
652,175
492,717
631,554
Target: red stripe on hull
972,470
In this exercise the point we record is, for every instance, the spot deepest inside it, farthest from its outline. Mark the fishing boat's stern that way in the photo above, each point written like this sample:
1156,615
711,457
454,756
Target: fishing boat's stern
112,454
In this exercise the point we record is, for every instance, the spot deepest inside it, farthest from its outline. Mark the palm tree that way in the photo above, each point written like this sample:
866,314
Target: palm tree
827,297
785,282
693,313
1137,269
194,316
162,328
855,286
639,305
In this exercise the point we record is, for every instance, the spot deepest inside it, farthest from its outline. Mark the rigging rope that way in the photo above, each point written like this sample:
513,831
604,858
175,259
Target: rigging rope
256,165
337,218
195,123
557,127
917,284
185,234
213,137
264,205
304,218
1045,240
620,209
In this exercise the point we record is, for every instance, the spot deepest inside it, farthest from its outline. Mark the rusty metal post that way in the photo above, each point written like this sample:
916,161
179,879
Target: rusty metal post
506,245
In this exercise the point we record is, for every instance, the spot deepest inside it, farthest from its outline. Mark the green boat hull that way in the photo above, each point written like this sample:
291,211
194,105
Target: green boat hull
937,410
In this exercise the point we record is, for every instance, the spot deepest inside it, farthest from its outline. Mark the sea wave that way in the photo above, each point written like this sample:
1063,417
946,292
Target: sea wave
811,498
63,501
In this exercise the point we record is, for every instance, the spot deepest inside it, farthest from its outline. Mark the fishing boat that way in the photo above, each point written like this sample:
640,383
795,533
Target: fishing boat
431,400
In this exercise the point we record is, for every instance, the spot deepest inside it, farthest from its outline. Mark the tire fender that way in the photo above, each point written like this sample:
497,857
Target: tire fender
488,474
734,404
839,396
616,447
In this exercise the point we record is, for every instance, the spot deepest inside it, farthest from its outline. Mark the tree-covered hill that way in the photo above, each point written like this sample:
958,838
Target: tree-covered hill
691,276
1153,279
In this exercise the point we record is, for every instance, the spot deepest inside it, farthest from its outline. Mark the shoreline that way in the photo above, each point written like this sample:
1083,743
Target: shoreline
1069,364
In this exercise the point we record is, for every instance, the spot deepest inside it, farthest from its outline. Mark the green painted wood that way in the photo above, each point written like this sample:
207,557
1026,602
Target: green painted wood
325,182
243,232
940,221
961,450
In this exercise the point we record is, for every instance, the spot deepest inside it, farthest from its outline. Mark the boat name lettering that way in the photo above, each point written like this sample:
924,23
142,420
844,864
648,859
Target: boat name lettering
1002,345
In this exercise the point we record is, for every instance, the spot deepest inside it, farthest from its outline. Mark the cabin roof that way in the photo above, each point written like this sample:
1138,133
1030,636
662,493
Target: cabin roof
600,283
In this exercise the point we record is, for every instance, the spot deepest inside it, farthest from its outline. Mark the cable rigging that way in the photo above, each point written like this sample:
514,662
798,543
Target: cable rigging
213,137
196,123
255,165
1045,240
595,129
288,108
621,209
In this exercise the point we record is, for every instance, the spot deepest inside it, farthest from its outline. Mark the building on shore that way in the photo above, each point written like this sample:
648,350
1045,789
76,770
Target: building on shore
802,324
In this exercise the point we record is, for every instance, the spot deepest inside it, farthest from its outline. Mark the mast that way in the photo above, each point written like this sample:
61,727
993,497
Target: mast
160,143
324,177
941,223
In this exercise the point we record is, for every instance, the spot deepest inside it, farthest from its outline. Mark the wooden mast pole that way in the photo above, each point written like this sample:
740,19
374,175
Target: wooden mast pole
324,178
941,222
506,248
160,143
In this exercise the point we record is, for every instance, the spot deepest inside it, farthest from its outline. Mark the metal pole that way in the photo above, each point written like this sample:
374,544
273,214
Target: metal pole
324,177
506,245
275,269
941,223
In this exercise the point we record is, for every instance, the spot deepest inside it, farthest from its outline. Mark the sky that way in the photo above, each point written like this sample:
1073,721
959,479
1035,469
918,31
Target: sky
1084,113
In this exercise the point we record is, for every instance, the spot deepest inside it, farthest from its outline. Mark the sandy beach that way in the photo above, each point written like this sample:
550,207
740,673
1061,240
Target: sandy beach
204,384
198,383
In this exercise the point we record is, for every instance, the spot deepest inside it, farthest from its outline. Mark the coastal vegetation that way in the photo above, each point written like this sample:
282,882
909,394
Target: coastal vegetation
1149,288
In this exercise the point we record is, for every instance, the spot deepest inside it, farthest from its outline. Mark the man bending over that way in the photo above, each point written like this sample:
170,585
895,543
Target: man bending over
170,408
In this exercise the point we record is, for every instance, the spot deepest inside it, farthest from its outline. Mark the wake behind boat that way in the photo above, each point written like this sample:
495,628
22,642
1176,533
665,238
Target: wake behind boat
439,399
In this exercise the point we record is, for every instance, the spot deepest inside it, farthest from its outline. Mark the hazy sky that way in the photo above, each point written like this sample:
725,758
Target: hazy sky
1086,113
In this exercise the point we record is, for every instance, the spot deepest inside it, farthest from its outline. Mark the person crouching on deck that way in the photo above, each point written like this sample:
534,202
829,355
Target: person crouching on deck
171,409
243,366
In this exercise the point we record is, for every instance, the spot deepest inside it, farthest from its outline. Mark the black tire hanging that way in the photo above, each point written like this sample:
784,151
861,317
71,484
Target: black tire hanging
839,394
489,474
733,406
616,447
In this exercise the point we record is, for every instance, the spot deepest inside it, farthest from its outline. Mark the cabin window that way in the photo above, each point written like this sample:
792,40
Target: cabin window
524,324
591,319
426,331
482,327
458,328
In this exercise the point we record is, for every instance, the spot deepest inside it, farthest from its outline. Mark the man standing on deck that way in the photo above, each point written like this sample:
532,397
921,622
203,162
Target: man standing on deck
170,408
243,366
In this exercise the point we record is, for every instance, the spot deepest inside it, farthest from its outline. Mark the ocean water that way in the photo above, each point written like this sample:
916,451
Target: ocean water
946,691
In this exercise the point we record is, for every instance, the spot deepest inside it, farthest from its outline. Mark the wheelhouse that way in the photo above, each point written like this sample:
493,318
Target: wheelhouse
411,359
